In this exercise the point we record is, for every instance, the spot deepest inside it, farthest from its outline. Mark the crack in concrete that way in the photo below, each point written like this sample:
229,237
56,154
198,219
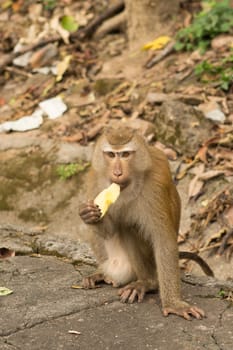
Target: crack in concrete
48,319
219,324
216,341
6,341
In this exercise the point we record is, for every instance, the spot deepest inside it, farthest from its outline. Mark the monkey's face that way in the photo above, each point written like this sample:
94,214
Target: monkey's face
118,165
121,157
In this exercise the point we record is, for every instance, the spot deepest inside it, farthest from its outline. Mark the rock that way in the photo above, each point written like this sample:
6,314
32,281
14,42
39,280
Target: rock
159,98
211,110
221,42
72,152
182,126
106,85
144,127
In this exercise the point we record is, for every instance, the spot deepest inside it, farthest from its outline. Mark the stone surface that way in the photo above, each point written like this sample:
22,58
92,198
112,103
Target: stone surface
43,309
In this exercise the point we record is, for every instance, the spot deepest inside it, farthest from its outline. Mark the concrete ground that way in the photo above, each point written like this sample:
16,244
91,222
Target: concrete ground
44,312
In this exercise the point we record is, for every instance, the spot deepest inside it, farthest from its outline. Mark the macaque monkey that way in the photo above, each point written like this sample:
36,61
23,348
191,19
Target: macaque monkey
135,243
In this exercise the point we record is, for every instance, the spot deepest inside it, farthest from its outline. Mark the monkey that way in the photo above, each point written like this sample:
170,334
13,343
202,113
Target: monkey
135,243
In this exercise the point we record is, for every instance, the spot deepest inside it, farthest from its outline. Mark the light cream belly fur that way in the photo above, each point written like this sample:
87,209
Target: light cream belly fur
117,268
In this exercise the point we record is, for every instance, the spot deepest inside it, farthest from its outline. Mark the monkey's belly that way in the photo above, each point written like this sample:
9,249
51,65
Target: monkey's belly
117,268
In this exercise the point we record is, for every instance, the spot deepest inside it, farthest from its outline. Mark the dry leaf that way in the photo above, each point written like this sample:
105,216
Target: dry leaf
210,174
202,154
5,291
216,237
62,67
43,56
184,171
228,215
76,286
195,187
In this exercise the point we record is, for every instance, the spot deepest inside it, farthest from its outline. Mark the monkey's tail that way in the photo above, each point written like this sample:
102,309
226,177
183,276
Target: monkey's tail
195,257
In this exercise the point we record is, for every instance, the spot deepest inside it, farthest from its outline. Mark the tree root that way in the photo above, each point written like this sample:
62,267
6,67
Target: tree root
91,28
161,55
116,23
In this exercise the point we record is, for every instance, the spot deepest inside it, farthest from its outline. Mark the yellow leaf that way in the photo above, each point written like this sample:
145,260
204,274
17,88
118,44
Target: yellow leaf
107,197
157,44
5,291
62,67
6,4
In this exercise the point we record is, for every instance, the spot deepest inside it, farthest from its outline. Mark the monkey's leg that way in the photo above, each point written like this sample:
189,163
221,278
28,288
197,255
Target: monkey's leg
135,291
141,257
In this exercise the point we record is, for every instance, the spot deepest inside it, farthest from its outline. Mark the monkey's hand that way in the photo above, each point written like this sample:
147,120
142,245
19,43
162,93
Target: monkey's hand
185,310
89,212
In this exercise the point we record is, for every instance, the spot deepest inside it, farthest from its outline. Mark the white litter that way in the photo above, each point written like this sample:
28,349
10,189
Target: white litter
30,122
53,107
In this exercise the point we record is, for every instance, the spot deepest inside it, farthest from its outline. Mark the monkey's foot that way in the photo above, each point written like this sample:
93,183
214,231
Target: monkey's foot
89,282
135,291
184,310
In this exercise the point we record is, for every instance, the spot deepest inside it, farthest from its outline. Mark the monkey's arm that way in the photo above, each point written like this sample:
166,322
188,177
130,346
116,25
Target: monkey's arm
195,257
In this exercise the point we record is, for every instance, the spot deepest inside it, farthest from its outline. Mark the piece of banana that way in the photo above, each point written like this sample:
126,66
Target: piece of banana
107,197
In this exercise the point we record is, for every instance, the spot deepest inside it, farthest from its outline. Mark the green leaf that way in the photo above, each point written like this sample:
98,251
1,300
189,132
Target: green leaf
216,18
69,23
68,170
5,291
179,46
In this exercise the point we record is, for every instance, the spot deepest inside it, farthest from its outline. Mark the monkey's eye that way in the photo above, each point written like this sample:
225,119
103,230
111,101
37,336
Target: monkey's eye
110,154
125,154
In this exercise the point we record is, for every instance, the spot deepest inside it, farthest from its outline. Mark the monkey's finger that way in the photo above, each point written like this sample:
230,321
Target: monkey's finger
89,209
133,296
141,295
200,311
91,217
182,313
185,315
88,283
124,295
196,312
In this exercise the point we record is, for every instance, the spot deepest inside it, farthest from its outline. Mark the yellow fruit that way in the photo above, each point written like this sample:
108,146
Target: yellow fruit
107,197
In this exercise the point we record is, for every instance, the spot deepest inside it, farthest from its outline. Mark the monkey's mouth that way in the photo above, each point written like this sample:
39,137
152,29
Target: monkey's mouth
122,185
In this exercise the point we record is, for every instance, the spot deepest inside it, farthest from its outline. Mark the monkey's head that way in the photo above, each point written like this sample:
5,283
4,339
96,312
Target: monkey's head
121,155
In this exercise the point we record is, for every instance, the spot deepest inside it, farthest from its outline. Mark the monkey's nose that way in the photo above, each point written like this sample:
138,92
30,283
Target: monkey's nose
117,173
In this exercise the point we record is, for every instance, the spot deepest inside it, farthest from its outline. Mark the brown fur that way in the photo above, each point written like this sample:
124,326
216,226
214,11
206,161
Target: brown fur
135,243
